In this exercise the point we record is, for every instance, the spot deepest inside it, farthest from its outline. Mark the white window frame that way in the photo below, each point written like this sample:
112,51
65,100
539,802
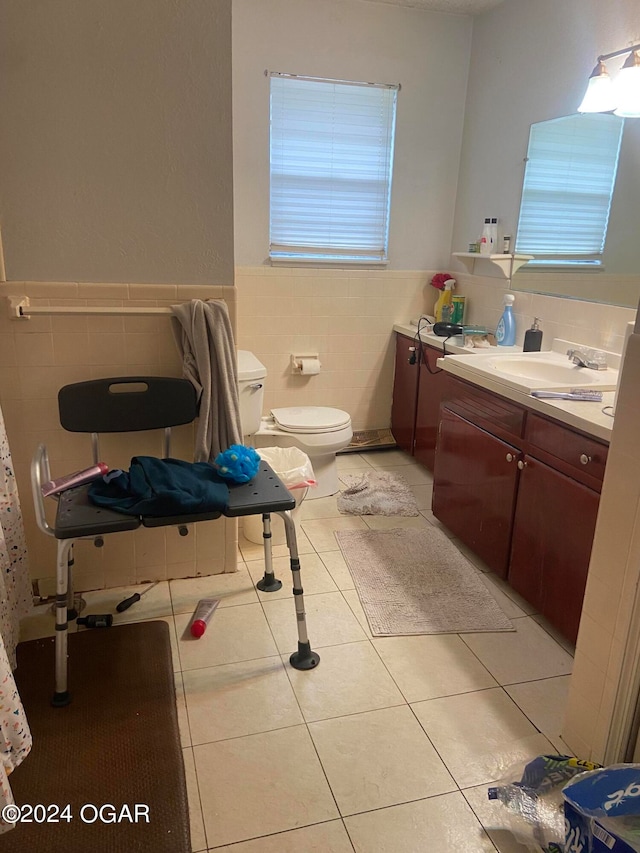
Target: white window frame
331,169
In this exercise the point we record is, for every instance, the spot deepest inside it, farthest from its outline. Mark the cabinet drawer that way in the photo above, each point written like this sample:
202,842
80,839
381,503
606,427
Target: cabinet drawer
585,457
497,415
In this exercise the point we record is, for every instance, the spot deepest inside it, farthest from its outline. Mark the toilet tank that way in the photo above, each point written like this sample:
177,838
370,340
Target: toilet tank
251,378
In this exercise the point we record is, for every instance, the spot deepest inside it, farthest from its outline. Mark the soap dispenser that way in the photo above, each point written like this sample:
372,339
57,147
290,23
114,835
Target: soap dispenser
506,331
533,337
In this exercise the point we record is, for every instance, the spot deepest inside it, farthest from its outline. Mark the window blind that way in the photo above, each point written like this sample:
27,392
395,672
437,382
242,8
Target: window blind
568,186
331,156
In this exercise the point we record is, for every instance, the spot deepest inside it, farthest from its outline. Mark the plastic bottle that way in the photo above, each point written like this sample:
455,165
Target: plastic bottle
485,239
533,337
506,331
78,478
204,611
444,306
494,236
446,302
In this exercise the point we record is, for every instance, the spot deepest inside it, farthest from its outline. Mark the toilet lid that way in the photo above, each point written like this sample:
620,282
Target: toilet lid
310,419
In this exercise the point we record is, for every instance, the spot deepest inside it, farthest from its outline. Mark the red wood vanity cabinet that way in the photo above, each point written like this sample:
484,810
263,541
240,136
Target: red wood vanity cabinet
405,393
558,495
417,393
476,473
522,491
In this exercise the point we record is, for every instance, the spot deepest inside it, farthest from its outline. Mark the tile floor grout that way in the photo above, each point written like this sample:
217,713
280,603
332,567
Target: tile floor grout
360,828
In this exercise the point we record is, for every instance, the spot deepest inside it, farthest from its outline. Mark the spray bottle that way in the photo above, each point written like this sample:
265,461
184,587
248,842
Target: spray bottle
506,331
444,306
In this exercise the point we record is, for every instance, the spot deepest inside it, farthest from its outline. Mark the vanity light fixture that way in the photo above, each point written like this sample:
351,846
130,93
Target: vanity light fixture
621,95
627,86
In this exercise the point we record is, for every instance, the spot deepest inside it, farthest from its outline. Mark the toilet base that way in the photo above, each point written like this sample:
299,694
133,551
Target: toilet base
325,469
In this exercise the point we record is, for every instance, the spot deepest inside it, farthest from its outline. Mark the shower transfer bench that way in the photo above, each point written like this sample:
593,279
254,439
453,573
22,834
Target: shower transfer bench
151,403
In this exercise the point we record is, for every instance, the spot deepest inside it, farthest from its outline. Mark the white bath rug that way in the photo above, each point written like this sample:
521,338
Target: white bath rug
376,493
413,581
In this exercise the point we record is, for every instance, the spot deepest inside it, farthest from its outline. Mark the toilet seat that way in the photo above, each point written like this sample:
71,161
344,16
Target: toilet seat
310,419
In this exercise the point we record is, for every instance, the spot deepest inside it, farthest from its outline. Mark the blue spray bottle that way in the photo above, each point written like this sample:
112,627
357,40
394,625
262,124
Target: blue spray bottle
506,331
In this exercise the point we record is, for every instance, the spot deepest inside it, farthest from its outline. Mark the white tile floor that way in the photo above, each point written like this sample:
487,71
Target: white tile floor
389,745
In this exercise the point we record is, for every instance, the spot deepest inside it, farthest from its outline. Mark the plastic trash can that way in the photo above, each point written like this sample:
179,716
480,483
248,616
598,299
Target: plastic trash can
294,468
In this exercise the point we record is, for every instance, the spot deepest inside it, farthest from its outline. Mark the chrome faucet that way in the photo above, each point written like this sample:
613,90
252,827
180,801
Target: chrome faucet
590,358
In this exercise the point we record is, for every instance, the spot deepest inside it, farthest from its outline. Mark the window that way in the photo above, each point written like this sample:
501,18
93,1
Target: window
331,155
568,186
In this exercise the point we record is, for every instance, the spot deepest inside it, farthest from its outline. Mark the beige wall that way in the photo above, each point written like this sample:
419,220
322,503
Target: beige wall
37,357
427,53
530,61
599,695
115,167
115,151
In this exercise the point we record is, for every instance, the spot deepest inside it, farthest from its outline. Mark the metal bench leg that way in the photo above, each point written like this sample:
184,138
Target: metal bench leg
304,658
269,583
61,697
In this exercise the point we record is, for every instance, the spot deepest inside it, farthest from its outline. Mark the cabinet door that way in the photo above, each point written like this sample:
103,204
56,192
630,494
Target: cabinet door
405,390
430,391
474,488
553,532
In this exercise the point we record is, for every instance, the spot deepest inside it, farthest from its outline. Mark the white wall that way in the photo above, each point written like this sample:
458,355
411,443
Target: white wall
426,52
115,150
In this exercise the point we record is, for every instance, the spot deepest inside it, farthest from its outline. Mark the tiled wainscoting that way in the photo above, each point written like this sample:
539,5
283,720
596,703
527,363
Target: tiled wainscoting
346,316
40,355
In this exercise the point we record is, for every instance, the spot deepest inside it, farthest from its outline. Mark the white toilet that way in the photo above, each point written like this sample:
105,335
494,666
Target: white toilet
319,431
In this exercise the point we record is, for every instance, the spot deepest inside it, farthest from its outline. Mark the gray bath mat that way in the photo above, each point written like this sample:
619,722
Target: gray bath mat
376,493
417,582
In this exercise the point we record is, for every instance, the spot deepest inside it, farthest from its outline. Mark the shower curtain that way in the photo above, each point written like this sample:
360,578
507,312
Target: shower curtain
15,602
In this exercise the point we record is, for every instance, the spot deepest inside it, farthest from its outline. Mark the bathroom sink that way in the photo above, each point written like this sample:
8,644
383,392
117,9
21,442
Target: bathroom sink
533,371
544,370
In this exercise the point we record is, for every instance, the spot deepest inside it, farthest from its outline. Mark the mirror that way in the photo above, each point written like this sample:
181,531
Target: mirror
618,282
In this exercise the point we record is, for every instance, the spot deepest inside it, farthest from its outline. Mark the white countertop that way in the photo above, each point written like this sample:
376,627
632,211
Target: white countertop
580,414
411,331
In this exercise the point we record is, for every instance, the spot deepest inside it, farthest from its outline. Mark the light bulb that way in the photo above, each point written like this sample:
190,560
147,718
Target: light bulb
600,96
627,87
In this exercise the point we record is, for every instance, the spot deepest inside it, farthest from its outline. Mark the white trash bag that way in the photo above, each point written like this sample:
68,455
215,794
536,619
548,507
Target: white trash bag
294,468
290,464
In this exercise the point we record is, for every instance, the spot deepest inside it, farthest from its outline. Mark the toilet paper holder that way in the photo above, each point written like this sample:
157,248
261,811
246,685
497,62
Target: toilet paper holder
305,364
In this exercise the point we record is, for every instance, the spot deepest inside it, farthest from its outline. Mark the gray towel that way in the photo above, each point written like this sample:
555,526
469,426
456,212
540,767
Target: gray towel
205,339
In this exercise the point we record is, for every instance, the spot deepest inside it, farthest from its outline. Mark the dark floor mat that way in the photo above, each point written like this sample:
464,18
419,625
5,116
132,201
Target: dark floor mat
116,743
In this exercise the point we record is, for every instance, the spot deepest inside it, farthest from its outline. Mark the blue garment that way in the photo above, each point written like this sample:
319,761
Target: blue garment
161,487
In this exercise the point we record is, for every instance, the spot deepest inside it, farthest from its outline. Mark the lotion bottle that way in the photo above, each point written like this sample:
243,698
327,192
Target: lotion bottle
78,478
506,331
485,239
494,235
205,609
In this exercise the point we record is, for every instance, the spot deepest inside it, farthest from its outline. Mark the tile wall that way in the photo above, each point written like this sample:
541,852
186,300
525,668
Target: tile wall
37,357
589,323
346,316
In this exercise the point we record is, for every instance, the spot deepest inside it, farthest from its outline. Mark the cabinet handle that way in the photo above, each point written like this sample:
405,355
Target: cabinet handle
510,457
584,459
522,464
